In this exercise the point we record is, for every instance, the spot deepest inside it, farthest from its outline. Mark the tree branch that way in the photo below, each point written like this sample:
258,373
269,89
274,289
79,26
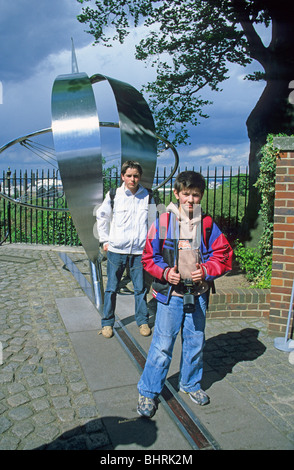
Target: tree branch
257,49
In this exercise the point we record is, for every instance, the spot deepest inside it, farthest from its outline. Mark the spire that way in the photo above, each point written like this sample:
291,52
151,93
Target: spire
74,63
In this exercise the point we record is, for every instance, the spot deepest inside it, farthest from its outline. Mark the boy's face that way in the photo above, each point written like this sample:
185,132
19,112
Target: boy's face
131,179
188,197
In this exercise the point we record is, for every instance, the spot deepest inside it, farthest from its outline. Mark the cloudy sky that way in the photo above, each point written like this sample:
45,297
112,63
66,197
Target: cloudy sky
35,48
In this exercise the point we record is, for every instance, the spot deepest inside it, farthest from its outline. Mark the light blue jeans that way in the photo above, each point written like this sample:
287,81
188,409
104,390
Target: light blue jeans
169,320
116,263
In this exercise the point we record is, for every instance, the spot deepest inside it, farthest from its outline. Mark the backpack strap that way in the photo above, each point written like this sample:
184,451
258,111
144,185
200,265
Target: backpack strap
150,195
112,193
208,229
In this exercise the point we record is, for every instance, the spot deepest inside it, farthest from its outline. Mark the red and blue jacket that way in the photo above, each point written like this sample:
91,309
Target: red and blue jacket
160,253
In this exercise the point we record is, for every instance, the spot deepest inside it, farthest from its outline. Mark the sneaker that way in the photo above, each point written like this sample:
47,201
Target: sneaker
107,331
146,406
199,397
144,330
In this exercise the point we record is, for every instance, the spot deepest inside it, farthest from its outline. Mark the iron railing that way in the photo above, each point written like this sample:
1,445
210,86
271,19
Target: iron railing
225,199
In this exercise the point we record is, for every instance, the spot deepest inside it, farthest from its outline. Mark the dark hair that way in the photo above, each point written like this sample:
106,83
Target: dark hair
131,164
189,179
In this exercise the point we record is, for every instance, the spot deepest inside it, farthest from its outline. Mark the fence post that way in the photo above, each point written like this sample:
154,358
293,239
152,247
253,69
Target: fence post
8,177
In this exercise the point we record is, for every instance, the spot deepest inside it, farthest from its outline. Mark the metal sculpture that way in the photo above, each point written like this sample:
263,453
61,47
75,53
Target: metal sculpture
76,135
75,127
137,130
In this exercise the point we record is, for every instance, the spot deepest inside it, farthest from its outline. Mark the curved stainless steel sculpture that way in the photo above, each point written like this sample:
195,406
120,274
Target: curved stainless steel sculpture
75,127
137,130
23,139
176,164
94,266
76,135
19,140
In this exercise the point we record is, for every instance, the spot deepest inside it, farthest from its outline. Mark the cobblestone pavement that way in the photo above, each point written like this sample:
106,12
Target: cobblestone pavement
43,392
44,396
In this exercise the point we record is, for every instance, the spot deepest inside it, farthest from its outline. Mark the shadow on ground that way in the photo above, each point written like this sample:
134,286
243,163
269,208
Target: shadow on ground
223,352
93,435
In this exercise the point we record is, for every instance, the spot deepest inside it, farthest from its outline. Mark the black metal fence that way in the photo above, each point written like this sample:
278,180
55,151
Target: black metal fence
225,199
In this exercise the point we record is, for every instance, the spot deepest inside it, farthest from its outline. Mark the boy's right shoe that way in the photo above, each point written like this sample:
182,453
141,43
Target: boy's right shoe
107,331
199,397
146,406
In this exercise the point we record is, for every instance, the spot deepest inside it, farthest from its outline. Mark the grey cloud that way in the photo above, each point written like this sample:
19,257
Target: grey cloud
30,30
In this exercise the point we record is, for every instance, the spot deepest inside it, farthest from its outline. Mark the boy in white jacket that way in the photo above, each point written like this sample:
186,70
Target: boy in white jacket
123,229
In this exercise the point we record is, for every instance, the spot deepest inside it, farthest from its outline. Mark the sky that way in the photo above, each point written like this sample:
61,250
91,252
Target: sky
35,48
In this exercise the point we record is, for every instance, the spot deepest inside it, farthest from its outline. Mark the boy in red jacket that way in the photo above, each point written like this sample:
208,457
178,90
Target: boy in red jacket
185,251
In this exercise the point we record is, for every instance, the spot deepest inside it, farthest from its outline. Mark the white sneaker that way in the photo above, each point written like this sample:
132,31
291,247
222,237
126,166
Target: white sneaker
107,331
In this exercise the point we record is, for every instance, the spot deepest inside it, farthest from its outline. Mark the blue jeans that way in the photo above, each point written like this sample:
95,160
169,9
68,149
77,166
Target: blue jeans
169,320
116,263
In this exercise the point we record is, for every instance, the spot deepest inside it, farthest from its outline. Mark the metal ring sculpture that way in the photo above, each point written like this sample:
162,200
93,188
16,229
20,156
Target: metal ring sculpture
23,139
77,143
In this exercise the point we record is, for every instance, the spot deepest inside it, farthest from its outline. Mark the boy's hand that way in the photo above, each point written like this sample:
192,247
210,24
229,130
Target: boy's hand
173,276
197,275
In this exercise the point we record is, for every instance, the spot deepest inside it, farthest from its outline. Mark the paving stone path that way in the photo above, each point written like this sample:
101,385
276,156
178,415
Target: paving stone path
45,401
43,392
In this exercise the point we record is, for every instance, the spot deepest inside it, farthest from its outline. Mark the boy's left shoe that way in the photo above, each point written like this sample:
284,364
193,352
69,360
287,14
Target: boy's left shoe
146,406
199,397
144,330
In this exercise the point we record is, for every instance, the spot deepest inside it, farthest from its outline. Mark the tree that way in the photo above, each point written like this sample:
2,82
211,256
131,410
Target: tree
191,43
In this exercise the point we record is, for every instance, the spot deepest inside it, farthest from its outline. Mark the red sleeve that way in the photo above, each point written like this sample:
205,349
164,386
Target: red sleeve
218,254
152,259
221,259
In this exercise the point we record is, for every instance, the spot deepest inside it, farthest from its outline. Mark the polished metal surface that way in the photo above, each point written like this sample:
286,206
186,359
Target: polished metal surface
76,135
176,163
97,283
29,205
32,206
137,130
74,62
75,127
19,140
23,139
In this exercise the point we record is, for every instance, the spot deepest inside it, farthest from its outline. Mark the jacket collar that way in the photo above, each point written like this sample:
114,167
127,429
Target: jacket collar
129,193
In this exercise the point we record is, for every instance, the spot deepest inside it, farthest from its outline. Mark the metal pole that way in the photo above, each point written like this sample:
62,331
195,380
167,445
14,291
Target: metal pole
97,284
8,175
283,343
74,62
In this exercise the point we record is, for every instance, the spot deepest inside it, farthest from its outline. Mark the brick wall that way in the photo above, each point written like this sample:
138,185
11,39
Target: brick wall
283,243
239,303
